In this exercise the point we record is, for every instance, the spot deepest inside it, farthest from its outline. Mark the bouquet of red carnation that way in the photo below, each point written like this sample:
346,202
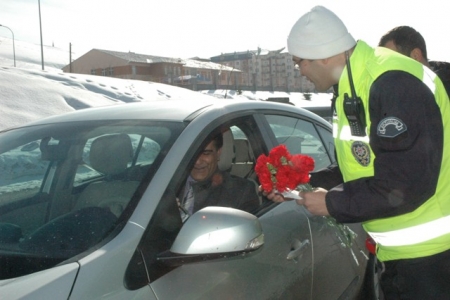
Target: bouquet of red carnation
282,171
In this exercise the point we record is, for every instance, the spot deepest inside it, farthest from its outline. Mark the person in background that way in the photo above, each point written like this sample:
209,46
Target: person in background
408,41
392,140
208,186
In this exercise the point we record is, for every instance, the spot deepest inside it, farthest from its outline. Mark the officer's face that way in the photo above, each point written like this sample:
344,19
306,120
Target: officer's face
206,163
318,71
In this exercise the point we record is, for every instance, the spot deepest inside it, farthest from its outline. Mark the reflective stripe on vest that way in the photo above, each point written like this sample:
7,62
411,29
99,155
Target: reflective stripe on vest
429,80
413,235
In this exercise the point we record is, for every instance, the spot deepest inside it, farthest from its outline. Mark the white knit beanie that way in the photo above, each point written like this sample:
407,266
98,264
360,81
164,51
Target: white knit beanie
319,34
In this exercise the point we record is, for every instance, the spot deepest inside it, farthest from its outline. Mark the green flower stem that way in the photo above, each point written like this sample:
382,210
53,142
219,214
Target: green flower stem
346,235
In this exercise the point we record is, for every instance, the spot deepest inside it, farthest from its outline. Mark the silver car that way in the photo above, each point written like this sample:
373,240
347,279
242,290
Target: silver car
88,209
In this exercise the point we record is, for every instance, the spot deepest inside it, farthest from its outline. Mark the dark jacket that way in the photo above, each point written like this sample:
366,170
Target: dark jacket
413,163
226,190
442,69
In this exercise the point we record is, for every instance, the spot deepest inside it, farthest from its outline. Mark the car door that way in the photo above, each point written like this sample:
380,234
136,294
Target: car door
280,269
337,262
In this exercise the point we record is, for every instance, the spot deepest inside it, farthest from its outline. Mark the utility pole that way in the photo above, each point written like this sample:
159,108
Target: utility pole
70,57
40,26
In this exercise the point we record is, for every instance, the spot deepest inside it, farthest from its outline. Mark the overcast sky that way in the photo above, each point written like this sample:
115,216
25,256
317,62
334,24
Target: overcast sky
176,28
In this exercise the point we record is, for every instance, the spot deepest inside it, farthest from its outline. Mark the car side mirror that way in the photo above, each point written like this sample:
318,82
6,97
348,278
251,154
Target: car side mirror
214,232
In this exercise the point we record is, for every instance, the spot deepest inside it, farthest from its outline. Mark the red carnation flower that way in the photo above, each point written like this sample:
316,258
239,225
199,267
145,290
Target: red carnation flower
282,171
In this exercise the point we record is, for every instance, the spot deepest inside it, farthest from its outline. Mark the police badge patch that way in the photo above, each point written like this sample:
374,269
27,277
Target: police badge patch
390,127
361,152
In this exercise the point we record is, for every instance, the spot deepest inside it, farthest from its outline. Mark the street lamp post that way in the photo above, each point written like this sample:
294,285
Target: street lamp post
14,47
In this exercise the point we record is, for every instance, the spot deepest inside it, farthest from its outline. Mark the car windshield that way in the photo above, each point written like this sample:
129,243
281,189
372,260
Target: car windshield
64,187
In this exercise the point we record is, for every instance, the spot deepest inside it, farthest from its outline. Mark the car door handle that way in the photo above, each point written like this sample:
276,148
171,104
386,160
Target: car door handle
297,248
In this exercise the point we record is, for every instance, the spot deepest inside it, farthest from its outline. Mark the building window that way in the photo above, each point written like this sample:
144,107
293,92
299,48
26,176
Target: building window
133,70
111,71
93,72
103,72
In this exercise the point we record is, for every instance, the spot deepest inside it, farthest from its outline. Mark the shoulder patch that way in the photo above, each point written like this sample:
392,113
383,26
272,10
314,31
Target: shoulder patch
361,152
390,127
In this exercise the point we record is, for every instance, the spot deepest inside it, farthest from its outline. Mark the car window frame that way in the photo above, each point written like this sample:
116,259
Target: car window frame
263,123
245,121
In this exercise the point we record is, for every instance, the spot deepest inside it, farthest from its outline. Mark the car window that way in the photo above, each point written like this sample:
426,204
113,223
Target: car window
237,132
148,149
145,151
244,159
300,137
23,171
59,182
328,141
22,176
168,218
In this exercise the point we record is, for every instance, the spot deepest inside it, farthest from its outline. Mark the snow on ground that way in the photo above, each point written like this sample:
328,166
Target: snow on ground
29,94
28,55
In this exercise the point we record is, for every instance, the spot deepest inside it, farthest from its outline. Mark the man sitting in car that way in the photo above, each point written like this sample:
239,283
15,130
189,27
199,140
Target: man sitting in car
207,185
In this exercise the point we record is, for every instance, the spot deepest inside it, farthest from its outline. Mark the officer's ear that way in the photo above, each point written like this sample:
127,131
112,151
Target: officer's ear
416,54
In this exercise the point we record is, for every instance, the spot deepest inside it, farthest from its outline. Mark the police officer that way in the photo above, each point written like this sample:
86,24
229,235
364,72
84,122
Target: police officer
408,41
392,139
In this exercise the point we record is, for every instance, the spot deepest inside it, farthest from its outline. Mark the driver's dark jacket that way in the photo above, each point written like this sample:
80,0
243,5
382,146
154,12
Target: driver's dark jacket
224,189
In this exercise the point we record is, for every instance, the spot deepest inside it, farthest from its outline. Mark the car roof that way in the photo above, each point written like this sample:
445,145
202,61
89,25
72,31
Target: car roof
170,110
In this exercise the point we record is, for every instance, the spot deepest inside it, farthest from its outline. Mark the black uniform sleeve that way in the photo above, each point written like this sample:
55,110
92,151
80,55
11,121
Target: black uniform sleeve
326,178
442,69
406,136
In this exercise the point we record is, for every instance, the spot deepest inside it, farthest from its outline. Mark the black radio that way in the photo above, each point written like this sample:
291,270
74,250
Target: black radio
353,107
354,111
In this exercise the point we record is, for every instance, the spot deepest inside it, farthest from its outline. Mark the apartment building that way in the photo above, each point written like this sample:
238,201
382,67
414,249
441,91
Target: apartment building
190,73
250,70
265,70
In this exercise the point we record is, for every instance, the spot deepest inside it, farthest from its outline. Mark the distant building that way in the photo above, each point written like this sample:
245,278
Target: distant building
265,70
190,73
260,70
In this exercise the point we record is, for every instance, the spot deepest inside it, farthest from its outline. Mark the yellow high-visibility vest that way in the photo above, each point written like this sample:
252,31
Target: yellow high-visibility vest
425,231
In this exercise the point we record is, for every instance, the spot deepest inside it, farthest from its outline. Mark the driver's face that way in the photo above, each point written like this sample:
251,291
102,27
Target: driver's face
206,163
